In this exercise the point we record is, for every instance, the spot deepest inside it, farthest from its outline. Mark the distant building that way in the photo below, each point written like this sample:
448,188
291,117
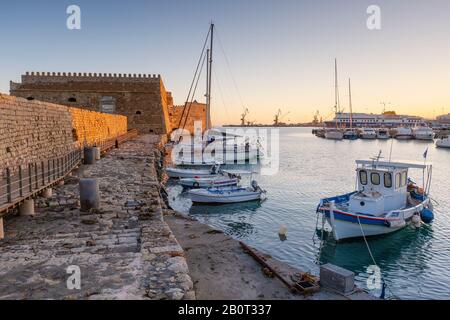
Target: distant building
388,119
444,118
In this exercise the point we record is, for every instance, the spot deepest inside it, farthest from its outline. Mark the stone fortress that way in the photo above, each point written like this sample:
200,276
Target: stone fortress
143,99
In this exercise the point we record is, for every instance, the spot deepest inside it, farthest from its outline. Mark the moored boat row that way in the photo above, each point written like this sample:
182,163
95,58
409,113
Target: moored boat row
403,133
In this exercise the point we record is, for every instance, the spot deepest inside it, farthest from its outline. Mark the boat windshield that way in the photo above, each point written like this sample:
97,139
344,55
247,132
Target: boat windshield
388,180
363,177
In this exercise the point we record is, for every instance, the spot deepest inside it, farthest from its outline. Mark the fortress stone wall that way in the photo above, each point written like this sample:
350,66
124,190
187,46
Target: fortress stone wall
33,131
141,98
197,113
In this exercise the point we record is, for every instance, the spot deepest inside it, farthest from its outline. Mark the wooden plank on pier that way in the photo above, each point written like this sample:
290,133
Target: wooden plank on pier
284,272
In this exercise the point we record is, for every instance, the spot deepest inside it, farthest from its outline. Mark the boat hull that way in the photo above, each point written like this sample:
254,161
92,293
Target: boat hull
368,136
428,137
181,174
204,196
334,135
404,137
208,183
346,225
443,143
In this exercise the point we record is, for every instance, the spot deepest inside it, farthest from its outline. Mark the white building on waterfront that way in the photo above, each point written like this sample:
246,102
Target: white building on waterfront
385,120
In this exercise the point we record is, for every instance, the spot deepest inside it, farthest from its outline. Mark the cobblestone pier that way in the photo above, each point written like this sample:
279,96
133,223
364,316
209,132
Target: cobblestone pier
125,250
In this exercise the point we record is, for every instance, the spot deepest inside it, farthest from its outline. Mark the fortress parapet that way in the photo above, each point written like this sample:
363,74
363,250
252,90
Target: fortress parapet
54,77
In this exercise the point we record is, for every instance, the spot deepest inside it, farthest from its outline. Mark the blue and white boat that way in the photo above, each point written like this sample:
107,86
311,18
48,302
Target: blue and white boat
385,200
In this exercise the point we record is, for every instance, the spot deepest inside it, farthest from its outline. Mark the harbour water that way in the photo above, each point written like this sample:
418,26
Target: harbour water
414,261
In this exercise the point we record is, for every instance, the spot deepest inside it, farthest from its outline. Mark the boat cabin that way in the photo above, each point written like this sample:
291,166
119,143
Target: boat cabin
381,187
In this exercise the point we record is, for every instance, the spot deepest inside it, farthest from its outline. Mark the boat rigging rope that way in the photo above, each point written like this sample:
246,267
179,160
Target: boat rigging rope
193,95
229,68
384,285
195,76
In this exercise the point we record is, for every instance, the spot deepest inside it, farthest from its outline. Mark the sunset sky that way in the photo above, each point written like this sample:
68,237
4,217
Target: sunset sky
279,54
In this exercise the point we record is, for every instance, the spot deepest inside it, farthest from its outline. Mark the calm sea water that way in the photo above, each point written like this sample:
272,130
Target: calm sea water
415,262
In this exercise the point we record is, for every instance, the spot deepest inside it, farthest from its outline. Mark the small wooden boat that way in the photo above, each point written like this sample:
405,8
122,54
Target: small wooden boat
384,202
179,173
227,195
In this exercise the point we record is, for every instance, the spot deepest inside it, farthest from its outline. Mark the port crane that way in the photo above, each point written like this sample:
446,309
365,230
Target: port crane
279,116
243,116
316,118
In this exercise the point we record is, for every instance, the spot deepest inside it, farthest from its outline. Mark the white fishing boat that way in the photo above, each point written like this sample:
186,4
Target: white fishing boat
226,180
334,134
383,134
350,134
443,143
404,134
385,200
227,195
180,173
368,133
423,133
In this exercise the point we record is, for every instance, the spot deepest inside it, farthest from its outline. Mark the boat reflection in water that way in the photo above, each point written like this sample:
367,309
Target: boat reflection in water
403,257
234,219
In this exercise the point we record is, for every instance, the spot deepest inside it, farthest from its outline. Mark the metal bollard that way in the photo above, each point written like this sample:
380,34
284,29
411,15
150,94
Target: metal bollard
27,208
89,194
89,155
97,153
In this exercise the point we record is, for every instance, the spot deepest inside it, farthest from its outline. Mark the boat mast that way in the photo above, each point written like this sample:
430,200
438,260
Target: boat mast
209,78
350,102
336,92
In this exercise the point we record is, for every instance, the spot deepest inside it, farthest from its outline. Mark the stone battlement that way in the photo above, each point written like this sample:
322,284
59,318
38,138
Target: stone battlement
52,77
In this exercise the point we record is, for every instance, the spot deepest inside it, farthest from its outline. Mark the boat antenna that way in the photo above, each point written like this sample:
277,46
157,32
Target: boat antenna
390,152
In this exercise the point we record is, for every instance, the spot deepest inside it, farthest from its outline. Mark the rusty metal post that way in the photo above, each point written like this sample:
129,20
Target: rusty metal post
8,185
36,175
20,181
30,177
43,173
48,172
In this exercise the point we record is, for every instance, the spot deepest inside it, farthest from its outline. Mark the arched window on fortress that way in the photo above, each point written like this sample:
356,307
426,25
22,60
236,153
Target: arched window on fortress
30,98
108,104
138,112
72,99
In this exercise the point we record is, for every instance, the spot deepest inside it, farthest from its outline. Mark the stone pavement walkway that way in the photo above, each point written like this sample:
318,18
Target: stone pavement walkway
124,251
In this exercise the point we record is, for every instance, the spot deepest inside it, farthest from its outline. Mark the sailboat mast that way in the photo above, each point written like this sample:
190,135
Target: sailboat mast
336,92
208,102
209,79
350,102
